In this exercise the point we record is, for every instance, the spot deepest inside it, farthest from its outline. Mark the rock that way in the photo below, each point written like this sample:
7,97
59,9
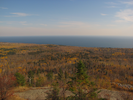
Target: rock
124,85
42,94
113,95
34,94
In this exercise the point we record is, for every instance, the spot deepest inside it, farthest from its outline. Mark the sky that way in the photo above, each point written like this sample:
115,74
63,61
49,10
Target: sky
66,17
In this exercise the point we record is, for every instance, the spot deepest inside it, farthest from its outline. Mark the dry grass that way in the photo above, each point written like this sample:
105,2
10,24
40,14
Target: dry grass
14,97
21,89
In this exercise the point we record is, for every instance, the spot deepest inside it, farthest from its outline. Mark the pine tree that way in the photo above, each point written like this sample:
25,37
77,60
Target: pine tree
81,72
60,74
79,83
50,76
20,79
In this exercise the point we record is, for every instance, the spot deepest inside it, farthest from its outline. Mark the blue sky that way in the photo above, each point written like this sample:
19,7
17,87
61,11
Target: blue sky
66,17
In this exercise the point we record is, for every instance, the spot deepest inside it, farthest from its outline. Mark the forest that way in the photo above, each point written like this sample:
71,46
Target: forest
81,70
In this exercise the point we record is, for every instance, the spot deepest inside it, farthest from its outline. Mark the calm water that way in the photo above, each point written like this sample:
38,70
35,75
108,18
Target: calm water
82,41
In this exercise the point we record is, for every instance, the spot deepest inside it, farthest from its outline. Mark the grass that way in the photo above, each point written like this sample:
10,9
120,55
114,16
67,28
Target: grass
14,97
21,89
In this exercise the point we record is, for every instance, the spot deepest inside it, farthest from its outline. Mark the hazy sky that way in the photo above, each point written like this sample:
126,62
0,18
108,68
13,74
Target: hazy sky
66,17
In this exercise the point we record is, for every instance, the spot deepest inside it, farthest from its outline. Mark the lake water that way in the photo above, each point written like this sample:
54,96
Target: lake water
81,41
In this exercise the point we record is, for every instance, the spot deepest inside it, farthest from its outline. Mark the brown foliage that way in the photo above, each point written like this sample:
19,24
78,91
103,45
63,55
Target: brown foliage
6,84
104,64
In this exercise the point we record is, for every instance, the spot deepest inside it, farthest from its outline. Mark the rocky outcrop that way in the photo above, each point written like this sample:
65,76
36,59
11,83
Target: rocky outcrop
42,93
128,86
114,95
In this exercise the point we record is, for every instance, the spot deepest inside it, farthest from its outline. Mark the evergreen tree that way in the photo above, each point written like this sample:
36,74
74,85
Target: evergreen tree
20,79
81,72
79,83
50,76
60,74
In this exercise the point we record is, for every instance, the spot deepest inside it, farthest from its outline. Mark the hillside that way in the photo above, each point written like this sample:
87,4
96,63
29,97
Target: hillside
40,65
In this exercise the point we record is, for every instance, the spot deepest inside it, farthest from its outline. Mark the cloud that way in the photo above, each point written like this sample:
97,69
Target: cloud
120,21
19,23
21,14
111,25
103,14
128,3
9,22
125,15
14,22
3,8
111,3
18,15
23,22
73,24
112,7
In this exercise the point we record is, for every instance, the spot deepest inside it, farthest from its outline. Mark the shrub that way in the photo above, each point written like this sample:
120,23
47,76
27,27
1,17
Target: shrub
50,76
54,95
20,79
6,83
40,81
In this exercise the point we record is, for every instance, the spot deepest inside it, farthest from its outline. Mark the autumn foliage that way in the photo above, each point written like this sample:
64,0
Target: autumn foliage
39,65
6,84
